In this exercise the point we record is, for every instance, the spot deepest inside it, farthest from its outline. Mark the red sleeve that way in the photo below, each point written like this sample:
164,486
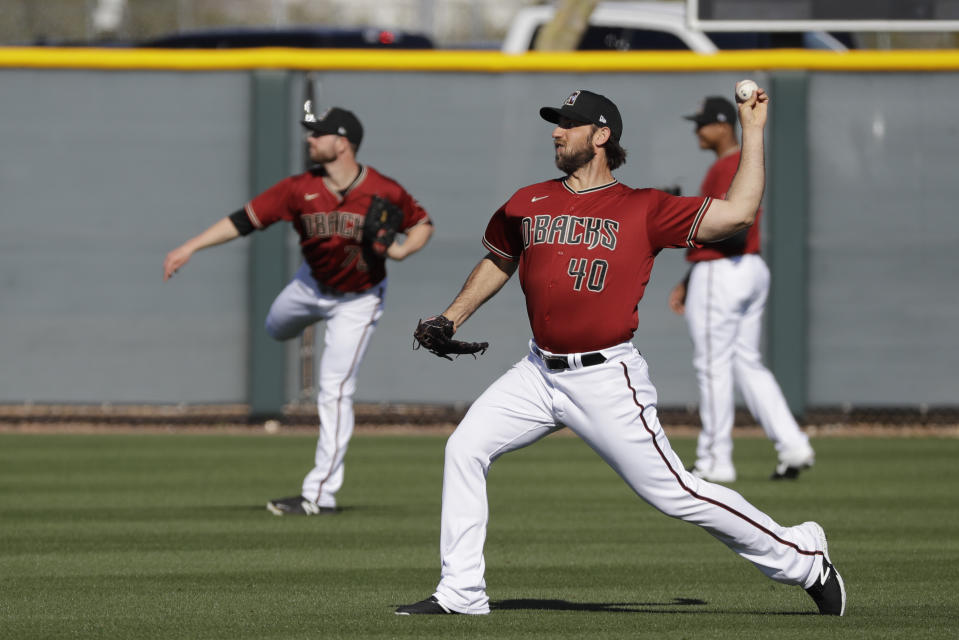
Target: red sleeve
272,205
503,236
413,211
672,221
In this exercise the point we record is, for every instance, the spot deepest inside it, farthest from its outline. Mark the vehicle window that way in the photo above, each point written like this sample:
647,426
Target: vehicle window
754,40
299,38
598,38
844,37
624,39
773,40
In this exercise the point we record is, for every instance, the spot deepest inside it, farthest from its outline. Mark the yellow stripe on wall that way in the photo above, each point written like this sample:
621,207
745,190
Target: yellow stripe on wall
472,61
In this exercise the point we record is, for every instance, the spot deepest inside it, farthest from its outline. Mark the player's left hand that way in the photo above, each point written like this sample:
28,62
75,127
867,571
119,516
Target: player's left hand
752,112
677,299
435,334
380,226
174,260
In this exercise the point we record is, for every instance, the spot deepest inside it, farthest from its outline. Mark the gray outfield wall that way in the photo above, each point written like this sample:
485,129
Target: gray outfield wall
103,172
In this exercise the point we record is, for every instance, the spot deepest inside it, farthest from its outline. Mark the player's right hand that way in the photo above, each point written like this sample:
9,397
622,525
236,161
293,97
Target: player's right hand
752,113
174,260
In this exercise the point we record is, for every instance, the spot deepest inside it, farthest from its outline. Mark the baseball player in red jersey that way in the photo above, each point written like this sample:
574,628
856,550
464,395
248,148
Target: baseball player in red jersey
340,280
723,298
584,246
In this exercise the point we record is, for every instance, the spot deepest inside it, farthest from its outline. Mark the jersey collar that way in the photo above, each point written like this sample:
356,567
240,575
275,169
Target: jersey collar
591,189
341,194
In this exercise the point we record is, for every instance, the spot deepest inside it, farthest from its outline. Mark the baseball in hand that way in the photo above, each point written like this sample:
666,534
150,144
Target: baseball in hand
745,90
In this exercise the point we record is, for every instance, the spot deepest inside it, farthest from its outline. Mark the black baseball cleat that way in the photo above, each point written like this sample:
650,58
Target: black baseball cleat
430,606
829,591
297,506
792,462
785,472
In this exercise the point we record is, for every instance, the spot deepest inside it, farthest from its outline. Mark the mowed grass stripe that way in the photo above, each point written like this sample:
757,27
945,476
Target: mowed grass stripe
166,536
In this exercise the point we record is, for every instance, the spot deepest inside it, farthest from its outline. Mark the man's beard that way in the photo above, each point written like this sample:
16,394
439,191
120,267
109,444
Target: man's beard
569,161
318,157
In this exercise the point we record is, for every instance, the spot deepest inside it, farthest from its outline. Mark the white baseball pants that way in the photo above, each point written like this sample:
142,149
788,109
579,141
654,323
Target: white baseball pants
612,407
725,300
350,321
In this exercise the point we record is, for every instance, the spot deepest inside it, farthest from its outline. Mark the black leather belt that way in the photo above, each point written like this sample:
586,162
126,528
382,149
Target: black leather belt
558,363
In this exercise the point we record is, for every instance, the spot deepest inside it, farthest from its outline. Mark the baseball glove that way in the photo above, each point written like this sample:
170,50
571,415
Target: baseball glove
436,336
383,221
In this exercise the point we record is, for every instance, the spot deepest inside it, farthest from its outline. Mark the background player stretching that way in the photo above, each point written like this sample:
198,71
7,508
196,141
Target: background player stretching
584,246
723,297
339,282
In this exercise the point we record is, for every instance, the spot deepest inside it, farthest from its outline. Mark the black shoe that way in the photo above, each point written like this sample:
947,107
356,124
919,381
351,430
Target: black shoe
430,606
297,506
783,472
829,591
792,462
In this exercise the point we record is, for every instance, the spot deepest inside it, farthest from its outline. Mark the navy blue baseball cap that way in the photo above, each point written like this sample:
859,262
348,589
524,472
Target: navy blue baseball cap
589,108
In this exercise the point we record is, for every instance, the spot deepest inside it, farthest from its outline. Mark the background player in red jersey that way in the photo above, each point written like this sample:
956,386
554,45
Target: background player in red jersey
723,297
340,281
584,246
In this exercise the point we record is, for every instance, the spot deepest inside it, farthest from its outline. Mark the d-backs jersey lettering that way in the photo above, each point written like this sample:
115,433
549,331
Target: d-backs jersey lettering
330,223
585,257
715,185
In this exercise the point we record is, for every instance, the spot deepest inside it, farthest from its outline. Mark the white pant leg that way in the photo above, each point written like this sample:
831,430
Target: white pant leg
713,319
512,413
295,308
760,390
350,323
612,407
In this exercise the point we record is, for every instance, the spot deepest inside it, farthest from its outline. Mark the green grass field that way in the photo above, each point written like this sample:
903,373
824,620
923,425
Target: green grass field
166,536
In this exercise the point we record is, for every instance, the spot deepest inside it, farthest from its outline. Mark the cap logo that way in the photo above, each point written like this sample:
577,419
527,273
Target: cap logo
571,100
721,117
308,112
602,119
341,131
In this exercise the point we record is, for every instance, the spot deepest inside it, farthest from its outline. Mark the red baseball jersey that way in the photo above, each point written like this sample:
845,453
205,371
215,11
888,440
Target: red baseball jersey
585,257
330,223
715,185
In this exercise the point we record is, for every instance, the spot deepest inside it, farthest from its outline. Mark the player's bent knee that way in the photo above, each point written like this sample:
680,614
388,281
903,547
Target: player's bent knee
460,446
454,446
281,333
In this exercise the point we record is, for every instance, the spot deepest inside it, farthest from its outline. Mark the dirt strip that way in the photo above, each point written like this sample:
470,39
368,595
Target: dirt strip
274,428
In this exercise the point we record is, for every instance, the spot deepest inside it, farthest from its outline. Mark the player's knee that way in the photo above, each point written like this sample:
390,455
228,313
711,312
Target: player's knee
745,363
279,331
459,447
454,446
331,395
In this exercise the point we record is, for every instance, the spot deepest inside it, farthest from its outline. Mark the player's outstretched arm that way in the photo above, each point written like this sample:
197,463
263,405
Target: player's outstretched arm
221,231
416,239
435,334
738,210
484,281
